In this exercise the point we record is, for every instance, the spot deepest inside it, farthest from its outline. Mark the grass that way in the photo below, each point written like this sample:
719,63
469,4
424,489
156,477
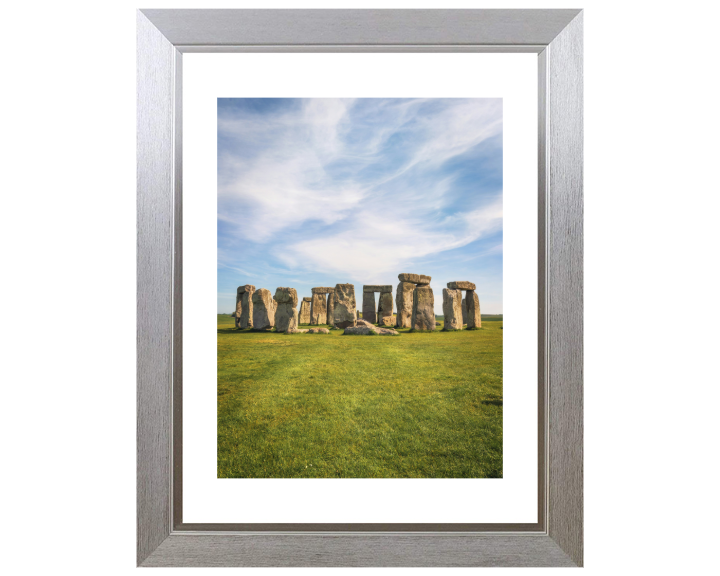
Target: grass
418,405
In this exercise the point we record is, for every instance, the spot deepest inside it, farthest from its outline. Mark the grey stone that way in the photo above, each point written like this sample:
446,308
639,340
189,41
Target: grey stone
304,316
385,309
363,322
323,290
368,309
464,311
246,306
330,307
377,288
285,313
286,296
452,309
296,331
404,302
461,285
419,279
318,331
344,307
423,313
263,310
360,330
318,309
473,309
386,332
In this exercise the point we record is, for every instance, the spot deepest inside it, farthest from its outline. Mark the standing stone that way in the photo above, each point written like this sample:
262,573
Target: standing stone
263,310
385,309
318,309
404,300
238,307
423,312
244,306
473,309
330,307
285,313
368,309
464,311
304,316
344,306
452,309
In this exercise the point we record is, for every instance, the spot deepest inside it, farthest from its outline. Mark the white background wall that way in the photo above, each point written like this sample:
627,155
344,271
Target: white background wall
67,231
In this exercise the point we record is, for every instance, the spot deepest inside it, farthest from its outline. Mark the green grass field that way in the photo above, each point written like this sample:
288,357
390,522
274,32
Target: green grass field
418,405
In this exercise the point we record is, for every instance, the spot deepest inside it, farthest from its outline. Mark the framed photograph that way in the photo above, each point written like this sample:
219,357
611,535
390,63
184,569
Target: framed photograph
365,198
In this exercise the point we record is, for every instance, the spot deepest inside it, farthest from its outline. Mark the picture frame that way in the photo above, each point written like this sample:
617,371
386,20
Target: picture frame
163,36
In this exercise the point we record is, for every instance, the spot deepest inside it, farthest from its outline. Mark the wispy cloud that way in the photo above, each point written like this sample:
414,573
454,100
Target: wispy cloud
355,189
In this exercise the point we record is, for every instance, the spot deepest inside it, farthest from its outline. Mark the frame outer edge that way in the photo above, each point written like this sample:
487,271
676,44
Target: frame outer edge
565,288
155,70
157,62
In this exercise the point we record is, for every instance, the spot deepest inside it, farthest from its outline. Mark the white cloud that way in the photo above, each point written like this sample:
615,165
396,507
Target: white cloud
278,182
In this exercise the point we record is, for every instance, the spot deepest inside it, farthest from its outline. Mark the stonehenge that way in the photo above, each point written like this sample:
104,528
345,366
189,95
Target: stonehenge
318,305
368,309
260,310
304,316
417,279
473,310
385,304
404,300
470,306
385,309
263,310
344,306
423,311
244,306
286,315
452,309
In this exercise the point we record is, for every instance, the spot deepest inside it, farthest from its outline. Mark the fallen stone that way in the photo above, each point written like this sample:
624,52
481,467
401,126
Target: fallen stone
360,330
387,332
318,308
452,309
423,312
363,322
296,331
368,309
473,310
419,279
387,321
344,307
378,288
404,303
318,331
263,310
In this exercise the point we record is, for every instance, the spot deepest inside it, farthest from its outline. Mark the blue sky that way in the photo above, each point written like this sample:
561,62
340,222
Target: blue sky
320,191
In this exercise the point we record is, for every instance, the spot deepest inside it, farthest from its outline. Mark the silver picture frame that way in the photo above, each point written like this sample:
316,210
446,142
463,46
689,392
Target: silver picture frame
163,539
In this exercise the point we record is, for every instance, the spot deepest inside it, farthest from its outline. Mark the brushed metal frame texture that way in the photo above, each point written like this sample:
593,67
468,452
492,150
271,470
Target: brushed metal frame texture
162,537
